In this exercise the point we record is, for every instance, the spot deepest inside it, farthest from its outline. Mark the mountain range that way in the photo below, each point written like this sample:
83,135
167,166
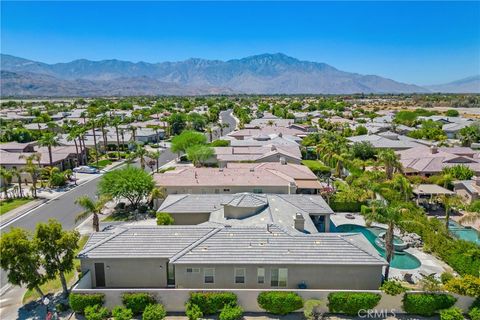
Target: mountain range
259,74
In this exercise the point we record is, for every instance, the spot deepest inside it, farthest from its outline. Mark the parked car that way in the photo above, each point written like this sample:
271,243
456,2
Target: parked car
85,169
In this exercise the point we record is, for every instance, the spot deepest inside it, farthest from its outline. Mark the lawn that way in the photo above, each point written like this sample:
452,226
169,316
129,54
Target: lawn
55,285
10,204
101,163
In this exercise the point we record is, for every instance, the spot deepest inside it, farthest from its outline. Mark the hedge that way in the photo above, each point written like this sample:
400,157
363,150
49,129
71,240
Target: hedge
79,301
137,302
154,312
96,313
231,313
279,302
212,302
351,303
451,314
192,311
346,206
427,304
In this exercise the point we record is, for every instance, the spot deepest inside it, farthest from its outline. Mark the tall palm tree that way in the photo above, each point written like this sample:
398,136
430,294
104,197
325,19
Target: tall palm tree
102,122
73,135
92,126
390,161
49,140
448,202
157,194
140,153
210,133
33,169
17,173
116,121
6,176
402,185
134,133
391,216
154,155
91,207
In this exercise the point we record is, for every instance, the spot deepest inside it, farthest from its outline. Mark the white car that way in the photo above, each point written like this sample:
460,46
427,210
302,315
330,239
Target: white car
85,169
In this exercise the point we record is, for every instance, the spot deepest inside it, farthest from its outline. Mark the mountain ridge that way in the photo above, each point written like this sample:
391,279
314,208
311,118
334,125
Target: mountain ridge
258,74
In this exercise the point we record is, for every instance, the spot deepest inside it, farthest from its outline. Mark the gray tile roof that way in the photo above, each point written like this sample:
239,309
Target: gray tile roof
259,245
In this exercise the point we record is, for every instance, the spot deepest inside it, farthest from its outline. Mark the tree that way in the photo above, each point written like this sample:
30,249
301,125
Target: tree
21,259
448,202
7,177
390,161
164,219
391,216
17,173
470,134
363,150
197,121
140,153
177,122
402,185
73,135
198,154
186,140
33,169
116,121
154,156
131,183
92,207
57,248
157,194
459,172
48,140
452,113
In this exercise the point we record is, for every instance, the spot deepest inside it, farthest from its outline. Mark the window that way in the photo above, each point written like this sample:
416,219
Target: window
193,270
261,275
279,277
226,190
209,275
239,275
256,190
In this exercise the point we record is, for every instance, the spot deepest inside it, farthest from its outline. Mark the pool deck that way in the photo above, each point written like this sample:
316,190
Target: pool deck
430,264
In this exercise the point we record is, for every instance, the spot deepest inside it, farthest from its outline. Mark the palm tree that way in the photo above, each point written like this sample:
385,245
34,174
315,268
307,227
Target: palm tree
470,217
102,122
448,202
92,126
402,185
18,174
134,130
140,153
48,140
6,176
391,216
210,133
157,194
33,169
116,121
390,161
74,135
154,155
91,207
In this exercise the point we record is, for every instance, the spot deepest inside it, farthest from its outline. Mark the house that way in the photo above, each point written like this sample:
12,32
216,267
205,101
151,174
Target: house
304,213
267,153
267,177
266,132
468,190
388,140
427,161
224,257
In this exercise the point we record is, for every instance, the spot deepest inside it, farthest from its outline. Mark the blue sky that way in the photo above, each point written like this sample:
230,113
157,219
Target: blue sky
414,42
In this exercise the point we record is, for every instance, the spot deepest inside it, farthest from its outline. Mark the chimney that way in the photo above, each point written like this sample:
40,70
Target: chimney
433,149
299,222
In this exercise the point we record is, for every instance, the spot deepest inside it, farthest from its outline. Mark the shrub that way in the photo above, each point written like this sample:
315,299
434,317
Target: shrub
79,301
312,309
231,313
467,286
393,288
193,311
96,312
474,314
451,314
279,302
338,206
164,219
352,302
426,304
61,307
122,313
446,276
154,312
212,302
137,302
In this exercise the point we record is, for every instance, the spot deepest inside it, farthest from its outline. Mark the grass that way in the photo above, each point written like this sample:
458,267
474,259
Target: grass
10,204
118,216
101,163
55,285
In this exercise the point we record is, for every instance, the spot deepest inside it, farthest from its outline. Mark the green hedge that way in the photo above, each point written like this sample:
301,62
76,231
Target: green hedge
451,314
427,304
79,301
154,312
137,302
279,302
212,302
96,313
193,312
231,313
351,303
346,206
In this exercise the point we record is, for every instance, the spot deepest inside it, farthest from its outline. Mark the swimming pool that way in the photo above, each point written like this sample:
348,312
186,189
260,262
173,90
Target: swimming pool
401,259
461,232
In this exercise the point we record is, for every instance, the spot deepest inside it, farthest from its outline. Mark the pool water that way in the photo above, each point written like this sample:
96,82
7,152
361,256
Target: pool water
401,260
459,231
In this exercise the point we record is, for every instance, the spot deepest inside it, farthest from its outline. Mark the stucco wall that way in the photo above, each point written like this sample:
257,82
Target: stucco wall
174,299
315,277
232,189
190,218
129,273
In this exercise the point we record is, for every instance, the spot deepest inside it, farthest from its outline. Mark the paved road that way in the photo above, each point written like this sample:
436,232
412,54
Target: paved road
64,208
